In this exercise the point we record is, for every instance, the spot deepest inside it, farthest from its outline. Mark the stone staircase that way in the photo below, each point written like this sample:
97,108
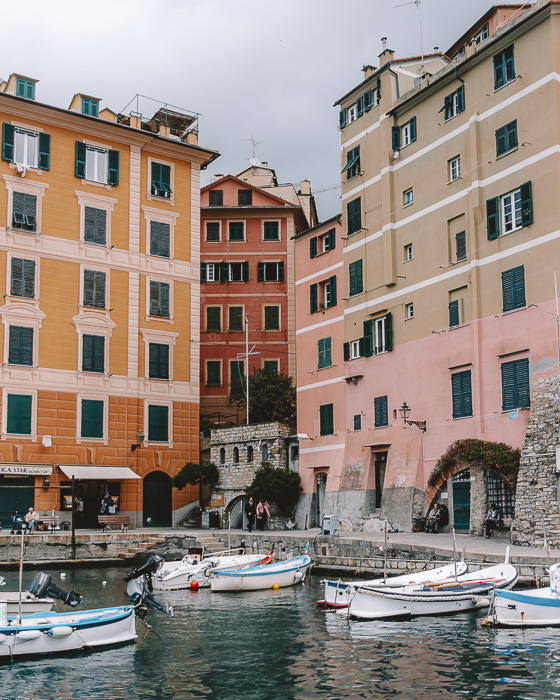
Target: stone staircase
211,543
139,547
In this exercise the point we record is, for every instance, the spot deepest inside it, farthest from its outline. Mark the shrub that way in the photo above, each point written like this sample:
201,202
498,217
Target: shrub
192,473
278,485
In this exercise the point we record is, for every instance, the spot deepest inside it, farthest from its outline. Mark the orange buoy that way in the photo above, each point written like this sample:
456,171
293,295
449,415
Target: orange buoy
275,586
194,585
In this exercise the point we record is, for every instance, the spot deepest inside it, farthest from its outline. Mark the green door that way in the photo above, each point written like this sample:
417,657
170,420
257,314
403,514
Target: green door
16,495
157,501
462,504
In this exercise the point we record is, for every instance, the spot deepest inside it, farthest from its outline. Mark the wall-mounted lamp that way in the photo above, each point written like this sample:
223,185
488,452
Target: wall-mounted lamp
46,482
139,440
404,410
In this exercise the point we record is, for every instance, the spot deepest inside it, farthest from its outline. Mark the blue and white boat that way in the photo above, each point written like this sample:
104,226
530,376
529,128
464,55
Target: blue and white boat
257,578
534,607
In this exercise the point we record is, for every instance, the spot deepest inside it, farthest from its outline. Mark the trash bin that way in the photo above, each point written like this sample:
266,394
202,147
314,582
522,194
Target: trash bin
331,525
65,525
214,519
205,519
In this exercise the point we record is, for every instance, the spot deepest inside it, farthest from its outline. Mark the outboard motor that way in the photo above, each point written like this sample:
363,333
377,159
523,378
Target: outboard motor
140,588
42,586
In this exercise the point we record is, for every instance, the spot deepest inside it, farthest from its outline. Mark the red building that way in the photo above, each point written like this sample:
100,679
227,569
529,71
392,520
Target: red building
247,275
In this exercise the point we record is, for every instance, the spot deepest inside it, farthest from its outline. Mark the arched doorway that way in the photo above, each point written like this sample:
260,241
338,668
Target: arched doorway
236,511
157,501
462,500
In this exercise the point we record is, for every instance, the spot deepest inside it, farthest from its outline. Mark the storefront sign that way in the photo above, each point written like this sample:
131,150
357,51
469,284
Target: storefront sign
27,470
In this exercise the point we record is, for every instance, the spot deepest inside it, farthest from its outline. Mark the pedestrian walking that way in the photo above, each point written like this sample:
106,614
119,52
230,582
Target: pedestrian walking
263,514
250,513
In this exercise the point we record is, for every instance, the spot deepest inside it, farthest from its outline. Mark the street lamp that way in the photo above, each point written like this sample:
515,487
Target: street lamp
139,440
404,410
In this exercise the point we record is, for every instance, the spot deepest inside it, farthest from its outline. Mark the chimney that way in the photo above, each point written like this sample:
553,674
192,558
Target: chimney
305,187
368,70
192,138
135,122
386,55
164,130
218,176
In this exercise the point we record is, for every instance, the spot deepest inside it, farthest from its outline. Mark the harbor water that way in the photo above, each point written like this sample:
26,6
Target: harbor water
280,645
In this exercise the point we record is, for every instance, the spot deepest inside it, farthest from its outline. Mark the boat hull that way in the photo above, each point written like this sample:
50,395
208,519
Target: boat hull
534,608
183,576
281,574
58,633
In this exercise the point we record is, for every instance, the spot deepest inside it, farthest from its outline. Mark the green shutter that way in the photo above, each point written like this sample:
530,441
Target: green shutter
493,218
321,353
332,238
461,98
260,272
158,423
92,419
413,129
501,146
396,138
526,204
326,419
8,137
355,274
44,151
368,338
360,106
113,174
378,89
23,278
448,106
19,414
80,159
518,287
158,361
523,386
246,271
313,298
367,100
346,351
507,290
21,346
515,385
389,332
511,135
93,353
461,394
453,314
381,413
281,271
313,247
461,245
342,118
203,272
332,287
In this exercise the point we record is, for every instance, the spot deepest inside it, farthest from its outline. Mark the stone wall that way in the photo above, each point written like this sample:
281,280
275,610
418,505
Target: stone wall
268,443
537,497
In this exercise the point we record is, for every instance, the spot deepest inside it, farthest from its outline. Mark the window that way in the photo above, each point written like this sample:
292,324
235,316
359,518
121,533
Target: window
92,419
244,198
95,225
236,230
94,288
161,180
272,318
408,197
271,366
378,335
483,34
404,135
515,385
24,211
454,103
322,295
461,246
235,318
21,346
506,138
454,319
159,299
504,67
19,414
324,353
322,244
26,147
90,107
409,310
352,113
461,394
271,231
236,271
513,288
354,211
160,239
250,453
454,168
213,373
97,164
212,231
356,349
216,198
158,423
222,455
512,211
25,88
23,278
356,277
381,412
159,361
264,453
93,353
270,271
358,422
214,318
352,167
210,272
236,455
500,492
236,375
326,419
408,253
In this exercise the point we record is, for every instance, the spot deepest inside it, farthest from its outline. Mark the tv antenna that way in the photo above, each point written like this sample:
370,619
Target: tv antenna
254,144
419,8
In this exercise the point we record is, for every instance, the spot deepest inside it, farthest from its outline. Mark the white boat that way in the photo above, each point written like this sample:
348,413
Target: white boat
466,592
57,633
534,607
181,574
338,593
281,574
29,603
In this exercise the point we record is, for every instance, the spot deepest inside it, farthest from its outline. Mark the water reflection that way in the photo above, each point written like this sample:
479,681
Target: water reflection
279,645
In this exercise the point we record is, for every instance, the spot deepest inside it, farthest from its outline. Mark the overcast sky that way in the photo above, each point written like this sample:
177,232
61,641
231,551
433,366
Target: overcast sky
268,69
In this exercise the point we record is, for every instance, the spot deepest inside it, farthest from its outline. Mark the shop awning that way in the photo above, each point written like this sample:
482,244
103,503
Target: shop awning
97,472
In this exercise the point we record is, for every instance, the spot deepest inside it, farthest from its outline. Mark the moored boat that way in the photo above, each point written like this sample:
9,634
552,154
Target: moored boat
338,593
280,574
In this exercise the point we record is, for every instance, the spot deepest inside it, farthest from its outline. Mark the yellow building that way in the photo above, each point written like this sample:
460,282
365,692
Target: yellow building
99,259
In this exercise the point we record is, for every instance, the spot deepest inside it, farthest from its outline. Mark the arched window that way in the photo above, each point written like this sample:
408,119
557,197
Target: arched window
264,453
222,455
250,454
236,455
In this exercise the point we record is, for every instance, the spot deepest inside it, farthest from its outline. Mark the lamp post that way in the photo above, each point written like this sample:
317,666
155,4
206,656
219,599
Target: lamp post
404,410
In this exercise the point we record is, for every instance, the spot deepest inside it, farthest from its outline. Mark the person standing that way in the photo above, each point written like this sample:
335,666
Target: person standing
250,513
263,514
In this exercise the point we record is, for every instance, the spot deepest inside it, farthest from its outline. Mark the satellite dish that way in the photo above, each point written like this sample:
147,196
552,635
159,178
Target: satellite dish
254,161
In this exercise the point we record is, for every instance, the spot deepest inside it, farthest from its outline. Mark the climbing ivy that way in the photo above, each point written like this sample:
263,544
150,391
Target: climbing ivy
497,456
